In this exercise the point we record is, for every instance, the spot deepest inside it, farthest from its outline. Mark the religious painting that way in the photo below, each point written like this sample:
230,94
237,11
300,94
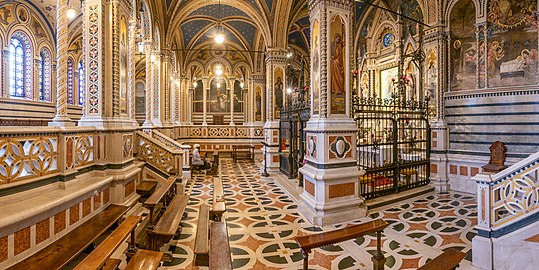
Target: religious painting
410,91
337,65
198,97
278,90
364,86
463,47
432,76
387,78
258,104
218,101
315,56
140,98
123,66
512,43
238,97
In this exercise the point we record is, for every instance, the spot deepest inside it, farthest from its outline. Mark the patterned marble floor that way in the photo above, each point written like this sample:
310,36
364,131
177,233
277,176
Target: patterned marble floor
263,221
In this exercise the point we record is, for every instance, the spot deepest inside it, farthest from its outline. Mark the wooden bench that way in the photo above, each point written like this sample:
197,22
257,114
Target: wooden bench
163,194
243,151
111,264
102,253
215,164
220,257
310,242
59,253
202,236
168,225
145,260
448,260
146,187
219,202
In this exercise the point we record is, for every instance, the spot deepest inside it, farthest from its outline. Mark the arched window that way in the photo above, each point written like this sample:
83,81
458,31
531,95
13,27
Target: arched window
16,68
45,75
70,81
81,83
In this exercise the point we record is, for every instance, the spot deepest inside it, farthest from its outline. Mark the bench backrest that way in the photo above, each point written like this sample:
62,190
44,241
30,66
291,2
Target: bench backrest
220,257
201,240
99,256
445,261
170,221
218,192
160,192
327,238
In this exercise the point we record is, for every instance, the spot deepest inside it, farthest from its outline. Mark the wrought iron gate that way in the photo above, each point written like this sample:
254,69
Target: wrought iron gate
393,145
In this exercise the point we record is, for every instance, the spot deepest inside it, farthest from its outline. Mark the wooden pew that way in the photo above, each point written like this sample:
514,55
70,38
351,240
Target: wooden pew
164,194
243,151
102,253
168,225
146,187
59,253
215,164
145,260
310,242
448,260
202,236
220,257
219,202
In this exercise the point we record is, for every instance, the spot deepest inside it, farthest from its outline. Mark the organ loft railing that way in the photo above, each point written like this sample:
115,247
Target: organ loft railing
393,144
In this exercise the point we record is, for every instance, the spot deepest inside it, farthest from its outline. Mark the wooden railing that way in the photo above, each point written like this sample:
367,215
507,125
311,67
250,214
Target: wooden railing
160,156
27,154
509,196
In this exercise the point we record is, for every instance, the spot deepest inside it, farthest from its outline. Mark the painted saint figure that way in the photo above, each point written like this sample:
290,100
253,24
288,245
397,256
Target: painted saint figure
337,67
279,93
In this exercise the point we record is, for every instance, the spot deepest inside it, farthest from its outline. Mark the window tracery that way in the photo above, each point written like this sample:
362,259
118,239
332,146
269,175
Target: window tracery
20,69
81,82
44,75
70,82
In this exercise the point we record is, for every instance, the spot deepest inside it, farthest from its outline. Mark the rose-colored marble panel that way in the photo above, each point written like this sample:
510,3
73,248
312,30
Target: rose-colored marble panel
106,195
341,190
59,222
74,214
3,248
463,170
22,240
474,171
129,188
309,187
86,207
97,201
452,169
43,231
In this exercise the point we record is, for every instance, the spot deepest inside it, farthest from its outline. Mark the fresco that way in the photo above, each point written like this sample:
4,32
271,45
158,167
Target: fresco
463,47
278,90
512,43
218,101
315,56
198,97
123,66
238,97
258,104
337,60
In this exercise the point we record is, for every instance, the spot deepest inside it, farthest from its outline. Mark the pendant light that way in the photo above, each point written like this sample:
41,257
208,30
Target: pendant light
219,35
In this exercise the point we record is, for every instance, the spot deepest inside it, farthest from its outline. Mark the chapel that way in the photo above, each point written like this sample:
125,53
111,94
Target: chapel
269,134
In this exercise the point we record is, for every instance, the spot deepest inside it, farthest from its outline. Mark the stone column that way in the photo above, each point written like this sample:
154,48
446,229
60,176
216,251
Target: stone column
165,83
62,39
131,72
205,89
4,74
331,177
275,67
37,86
156,90
232,91
189,119
149,82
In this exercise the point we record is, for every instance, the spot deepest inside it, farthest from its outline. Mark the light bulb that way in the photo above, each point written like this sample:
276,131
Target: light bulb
242,84
140,47
152,58
71,13
219,38
195,84
288,55
218,85
289,90
218,70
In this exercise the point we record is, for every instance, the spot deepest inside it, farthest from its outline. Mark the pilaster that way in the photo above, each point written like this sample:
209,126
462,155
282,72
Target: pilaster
149,88
331,176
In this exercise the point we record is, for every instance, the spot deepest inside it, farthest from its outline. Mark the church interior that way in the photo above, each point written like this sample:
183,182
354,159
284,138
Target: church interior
269,134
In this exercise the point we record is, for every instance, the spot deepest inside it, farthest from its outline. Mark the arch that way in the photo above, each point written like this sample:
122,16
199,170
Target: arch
451,5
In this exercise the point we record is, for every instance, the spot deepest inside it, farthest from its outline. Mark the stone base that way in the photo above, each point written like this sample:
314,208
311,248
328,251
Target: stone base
351,210
104,123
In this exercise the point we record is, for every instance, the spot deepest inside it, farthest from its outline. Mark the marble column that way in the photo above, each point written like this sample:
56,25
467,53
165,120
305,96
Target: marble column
165,83
275,68
62,39
4,74
149,81
331,177
232,91
205,94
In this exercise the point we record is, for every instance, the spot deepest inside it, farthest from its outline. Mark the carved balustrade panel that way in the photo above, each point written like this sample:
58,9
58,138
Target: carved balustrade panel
25,157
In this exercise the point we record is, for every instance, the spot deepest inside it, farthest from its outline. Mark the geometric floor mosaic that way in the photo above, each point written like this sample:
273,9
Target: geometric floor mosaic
263,221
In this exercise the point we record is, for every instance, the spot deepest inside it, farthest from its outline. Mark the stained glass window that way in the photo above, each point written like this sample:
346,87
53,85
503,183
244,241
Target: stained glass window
45,75
16,67
81,83
388,39
70,81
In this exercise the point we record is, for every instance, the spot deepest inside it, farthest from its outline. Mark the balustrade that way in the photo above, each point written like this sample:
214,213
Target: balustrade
218,131
157,154
27,154
508,196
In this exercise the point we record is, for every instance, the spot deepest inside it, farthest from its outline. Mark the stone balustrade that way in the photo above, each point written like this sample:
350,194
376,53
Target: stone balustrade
159,155
508,198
